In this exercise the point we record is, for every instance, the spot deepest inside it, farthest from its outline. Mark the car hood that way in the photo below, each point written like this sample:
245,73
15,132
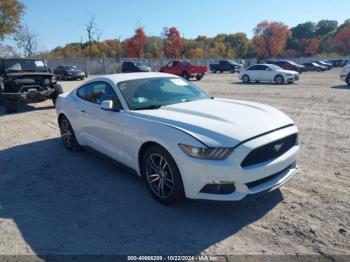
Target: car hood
219,122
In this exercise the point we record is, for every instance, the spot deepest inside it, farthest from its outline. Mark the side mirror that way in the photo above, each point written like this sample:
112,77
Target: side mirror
108,105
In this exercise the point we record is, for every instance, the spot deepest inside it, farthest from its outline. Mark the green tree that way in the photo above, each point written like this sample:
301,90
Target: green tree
323,27
11,12
304,30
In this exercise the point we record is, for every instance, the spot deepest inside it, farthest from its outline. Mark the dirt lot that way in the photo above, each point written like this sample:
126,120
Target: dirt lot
56,202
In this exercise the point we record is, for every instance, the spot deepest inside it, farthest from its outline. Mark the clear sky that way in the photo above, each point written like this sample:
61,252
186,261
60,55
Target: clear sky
58,22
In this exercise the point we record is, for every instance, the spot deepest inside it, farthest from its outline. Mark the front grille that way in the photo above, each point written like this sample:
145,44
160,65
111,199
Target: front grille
267,179
270,151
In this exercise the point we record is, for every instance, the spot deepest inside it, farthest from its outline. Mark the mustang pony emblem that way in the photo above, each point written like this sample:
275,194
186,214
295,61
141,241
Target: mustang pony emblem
278,147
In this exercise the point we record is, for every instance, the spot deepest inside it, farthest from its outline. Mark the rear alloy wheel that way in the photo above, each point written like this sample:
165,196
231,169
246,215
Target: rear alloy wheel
11,105
245,79
67,134
162,175
279,80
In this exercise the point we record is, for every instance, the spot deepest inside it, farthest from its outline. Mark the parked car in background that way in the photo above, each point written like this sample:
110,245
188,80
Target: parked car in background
322,63
345,75
69,72
185,69
28,80
132,67
183,142
268,73
287,65
337,62
225,65
311,66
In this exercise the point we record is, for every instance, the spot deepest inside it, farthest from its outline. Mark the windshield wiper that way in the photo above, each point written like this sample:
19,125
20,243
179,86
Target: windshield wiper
149,107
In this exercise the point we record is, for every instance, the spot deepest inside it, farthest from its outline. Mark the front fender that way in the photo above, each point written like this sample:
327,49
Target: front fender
139,131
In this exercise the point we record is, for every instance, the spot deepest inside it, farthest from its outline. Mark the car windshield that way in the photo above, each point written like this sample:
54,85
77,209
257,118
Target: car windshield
71,67
153,93
26,65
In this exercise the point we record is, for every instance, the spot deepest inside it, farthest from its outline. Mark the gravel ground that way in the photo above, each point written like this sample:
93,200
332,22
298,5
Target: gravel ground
56,202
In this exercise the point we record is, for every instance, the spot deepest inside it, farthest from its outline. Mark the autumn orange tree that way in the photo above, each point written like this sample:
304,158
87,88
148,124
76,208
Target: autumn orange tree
173,43
11,12
270,39
341,41
309,46
134,46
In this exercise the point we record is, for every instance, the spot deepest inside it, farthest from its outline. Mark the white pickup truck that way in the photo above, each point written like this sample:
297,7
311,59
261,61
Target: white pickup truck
345,74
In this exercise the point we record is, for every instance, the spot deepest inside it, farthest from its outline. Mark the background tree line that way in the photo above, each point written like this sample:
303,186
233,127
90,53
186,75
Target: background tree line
270,39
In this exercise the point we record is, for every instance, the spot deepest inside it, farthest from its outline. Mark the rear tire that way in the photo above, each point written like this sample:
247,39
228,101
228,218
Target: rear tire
245,79
11,105
162,175
214,71
348,80
185,75
199,77
67,134
279,80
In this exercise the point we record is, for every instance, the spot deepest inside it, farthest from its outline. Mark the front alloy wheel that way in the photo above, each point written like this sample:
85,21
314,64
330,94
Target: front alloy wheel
162,175
67,134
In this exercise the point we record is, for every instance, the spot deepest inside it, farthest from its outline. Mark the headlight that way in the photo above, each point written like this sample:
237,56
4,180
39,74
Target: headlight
289,74
209,153
53,79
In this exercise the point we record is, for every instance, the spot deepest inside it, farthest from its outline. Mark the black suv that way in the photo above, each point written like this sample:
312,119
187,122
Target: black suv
69,72
131,67
225,65
28,80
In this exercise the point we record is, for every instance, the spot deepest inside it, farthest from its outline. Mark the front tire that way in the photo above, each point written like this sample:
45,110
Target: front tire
58,91
245,79
162,175
279,80
67,134
11,105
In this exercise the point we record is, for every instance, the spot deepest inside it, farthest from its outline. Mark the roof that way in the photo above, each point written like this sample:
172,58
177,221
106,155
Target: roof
116,78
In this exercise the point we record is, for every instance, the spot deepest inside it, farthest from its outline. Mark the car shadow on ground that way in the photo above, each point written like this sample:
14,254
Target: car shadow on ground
261,83
23,108
341,87
78,203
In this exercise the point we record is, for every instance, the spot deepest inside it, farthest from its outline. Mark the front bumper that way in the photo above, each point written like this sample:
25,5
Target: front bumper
30,96
266,176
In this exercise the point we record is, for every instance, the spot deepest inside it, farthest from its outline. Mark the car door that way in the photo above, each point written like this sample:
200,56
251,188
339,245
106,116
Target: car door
100,129
265,73
253,73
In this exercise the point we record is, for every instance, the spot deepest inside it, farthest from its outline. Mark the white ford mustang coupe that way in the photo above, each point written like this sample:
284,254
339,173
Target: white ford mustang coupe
182,141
